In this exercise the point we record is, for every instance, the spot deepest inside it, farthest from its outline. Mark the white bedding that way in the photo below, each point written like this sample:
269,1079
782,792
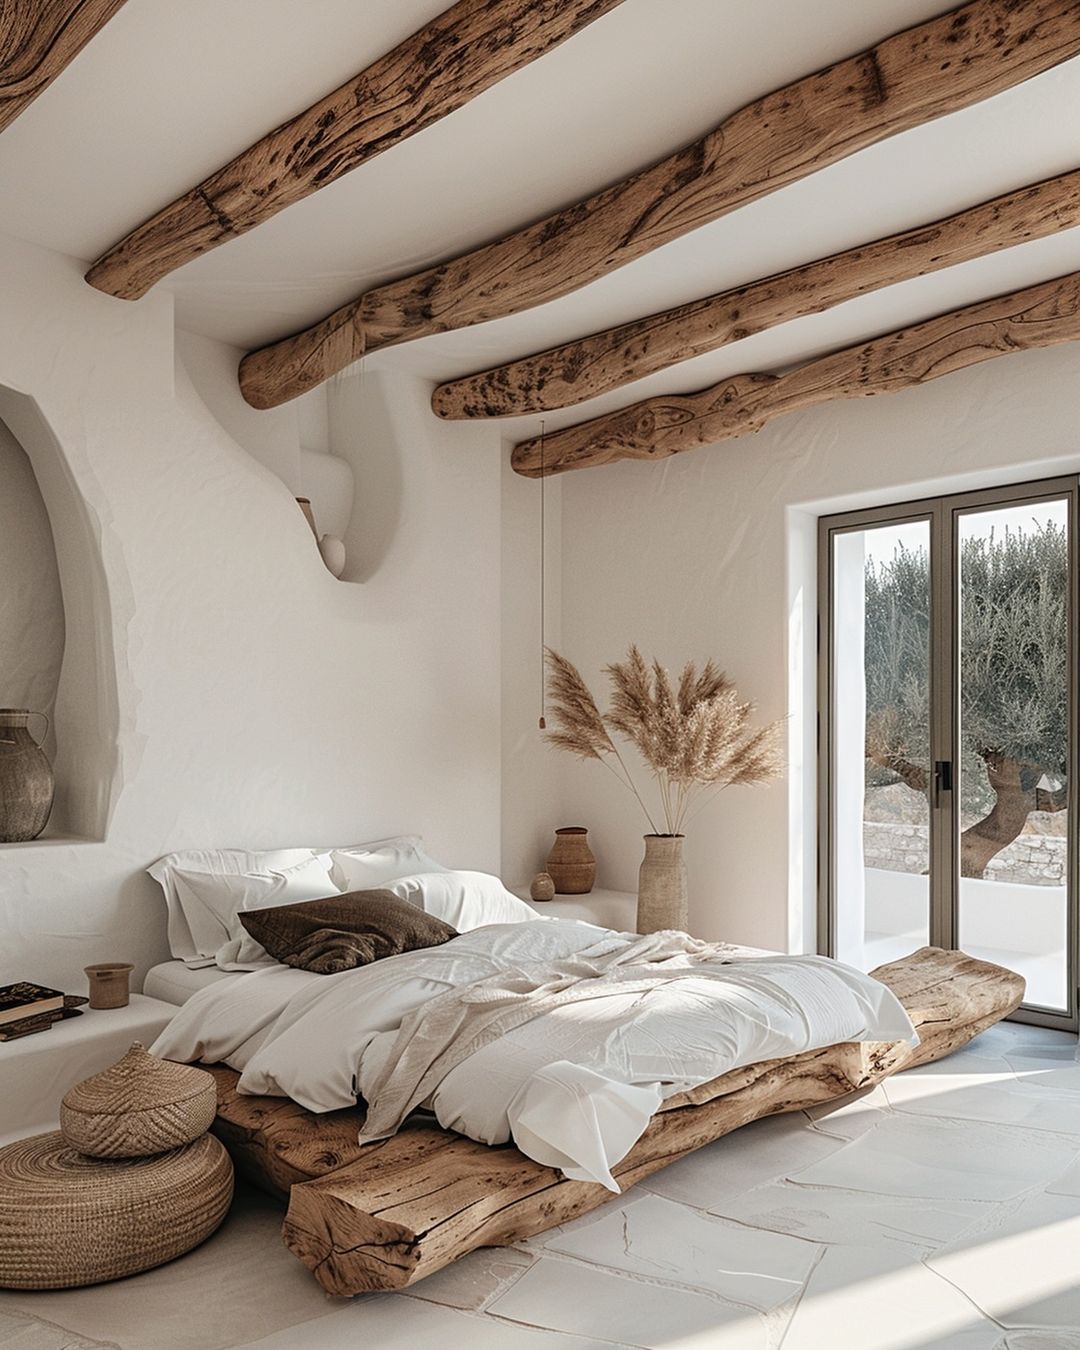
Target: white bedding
574,1075
176,981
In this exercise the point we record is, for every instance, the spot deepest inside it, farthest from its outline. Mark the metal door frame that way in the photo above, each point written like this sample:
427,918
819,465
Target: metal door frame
943,515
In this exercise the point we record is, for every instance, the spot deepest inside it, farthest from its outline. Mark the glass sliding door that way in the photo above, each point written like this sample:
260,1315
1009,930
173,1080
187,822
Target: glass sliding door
881,740
1013,695
947,734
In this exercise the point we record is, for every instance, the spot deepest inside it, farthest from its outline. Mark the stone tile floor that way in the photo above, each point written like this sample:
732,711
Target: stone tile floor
940,1210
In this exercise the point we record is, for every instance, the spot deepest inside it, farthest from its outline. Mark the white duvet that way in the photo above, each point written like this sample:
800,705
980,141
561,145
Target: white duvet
559,1035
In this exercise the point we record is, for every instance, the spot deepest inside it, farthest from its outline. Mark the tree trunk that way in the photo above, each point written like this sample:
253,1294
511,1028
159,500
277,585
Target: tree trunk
1015,801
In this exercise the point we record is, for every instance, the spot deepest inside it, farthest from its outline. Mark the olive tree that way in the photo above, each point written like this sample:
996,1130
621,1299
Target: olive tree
1013,681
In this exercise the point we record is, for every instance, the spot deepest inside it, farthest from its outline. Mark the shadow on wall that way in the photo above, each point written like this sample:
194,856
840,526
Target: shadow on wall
31,606
59,605
369,429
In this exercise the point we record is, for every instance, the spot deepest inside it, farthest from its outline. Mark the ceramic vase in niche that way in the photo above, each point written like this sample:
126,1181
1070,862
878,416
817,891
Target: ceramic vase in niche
662,900
570,863
109,983
333,554
26,778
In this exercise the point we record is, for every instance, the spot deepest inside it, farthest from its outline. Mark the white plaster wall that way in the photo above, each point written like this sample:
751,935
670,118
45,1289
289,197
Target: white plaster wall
712,554
272,436
31,605
257,701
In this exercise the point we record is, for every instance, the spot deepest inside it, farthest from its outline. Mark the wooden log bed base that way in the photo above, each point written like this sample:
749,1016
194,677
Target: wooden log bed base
390,1213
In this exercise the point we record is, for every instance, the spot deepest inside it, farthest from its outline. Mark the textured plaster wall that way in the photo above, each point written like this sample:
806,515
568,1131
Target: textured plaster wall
219,687
31,605
713,554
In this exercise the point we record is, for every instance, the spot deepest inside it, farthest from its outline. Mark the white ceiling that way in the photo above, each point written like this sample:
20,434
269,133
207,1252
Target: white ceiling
168,92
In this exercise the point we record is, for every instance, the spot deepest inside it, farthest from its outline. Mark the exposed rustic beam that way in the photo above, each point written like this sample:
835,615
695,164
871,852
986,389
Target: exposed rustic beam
935,68
1040,316
595,365
451,60
38,39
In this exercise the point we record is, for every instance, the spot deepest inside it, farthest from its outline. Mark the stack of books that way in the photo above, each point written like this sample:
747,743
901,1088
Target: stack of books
26,1007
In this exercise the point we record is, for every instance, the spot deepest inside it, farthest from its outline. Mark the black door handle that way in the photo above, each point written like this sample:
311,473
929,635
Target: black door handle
943,778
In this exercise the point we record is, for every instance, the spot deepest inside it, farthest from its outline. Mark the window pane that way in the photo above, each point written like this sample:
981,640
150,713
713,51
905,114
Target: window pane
1014,742
881,741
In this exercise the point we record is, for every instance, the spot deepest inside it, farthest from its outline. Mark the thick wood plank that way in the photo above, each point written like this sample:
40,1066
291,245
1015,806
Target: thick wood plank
594,365
1039,316
384,1222
388,1214
935,68
38,39
451,60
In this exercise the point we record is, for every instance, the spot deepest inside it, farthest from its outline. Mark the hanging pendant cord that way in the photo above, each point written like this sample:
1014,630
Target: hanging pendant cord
543,575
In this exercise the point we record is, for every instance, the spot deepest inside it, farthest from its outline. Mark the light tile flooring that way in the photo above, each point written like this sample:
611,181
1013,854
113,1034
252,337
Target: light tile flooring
942,1209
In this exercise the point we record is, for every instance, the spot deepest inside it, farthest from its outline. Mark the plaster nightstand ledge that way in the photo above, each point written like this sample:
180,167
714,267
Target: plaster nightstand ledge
36,1071
606,909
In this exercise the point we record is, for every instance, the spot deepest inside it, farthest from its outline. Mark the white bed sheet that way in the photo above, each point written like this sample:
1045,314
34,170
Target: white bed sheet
175,982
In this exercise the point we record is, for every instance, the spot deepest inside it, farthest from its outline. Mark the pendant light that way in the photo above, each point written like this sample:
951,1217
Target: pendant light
543,576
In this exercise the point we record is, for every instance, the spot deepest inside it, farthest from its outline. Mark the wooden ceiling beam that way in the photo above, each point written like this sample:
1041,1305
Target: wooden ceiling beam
444,65
604,361
1039,316
938,67
39,39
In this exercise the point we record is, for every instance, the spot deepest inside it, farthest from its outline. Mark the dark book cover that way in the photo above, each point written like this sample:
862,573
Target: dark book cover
27,1026
25,999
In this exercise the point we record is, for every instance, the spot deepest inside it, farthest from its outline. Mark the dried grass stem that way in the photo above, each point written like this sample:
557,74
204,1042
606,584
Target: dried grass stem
694,737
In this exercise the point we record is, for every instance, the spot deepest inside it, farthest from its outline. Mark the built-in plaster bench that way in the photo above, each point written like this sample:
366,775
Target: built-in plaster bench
36,1071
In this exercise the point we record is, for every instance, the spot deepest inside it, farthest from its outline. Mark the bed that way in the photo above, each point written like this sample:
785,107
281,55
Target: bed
174,982
561,1062
384,1215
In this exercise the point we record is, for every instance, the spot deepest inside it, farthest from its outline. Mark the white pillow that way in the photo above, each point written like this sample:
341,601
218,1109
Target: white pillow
212,903
368,866
404,850
217,862
464,900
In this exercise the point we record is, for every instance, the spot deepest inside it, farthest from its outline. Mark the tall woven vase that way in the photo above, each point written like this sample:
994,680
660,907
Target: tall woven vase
662,885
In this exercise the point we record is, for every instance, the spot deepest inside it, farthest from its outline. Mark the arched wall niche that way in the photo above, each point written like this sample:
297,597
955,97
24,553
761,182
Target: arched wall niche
58,600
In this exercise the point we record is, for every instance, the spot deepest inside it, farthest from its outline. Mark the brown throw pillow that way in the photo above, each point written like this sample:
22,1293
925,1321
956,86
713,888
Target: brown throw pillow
344,931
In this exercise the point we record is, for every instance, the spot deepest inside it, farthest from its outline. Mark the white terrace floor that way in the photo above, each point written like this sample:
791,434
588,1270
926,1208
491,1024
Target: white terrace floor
940,1210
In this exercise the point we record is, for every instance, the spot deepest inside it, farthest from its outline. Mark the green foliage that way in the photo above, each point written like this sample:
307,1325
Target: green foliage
897,645
1013,660
1014,647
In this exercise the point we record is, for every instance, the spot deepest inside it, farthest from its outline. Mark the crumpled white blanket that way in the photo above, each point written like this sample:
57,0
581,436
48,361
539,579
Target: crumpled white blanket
560,1035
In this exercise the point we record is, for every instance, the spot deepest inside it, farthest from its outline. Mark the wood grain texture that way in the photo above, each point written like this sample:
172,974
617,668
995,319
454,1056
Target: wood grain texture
935,68
391,1213
594,365
38,39
451,60
1039,316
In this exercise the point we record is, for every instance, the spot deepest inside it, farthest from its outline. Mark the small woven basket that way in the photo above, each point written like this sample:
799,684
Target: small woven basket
139,1106
69,1220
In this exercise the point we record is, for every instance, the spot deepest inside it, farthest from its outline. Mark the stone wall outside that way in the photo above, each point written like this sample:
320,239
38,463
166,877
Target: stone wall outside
1031,859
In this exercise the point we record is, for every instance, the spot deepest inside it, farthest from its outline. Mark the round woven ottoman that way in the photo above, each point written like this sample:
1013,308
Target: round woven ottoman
139,1105
67,1220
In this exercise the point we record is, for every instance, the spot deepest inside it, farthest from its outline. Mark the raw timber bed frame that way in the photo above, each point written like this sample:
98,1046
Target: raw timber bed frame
388,1214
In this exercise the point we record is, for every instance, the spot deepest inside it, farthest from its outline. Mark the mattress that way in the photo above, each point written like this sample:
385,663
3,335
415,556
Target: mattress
173,982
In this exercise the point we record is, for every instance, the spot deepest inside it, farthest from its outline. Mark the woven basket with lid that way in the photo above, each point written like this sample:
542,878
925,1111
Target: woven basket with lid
139,1106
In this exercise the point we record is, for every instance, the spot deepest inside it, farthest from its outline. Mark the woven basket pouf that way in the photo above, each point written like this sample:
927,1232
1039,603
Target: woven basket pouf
68,1220
139,1105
